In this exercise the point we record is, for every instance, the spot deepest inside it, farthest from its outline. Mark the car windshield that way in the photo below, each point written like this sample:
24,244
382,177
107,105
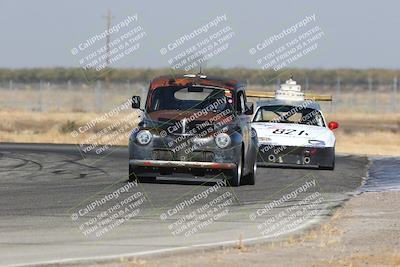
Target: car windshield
189,98
289,114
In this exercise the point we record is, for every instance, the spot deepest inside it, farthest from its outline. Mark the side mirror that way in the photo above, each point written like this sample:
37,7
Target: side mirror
333,125
249,109
135,101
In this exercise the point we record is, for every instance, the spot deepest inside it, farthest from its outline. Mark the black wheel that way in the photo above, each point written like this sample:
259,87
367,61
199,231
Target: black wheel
330,167
237,173
134,177
250,179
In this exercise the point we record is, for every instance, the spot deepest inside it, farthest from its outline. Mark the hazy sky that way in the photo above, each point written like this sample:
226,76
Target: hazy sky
357,34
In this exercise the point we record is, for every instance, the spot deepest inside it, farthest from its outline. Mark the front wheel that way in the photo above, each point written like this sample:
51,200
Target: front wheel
332,166
250,179
237,172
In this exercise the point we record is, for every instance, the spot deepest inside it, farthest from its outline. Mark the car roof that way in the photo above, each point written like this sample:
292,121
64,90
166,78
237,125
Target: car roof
275,102
196,79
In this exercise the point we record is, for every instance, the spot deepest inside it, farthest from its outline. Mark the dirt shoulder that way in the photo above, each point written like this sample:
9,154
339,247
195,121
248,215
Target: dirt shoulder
365,232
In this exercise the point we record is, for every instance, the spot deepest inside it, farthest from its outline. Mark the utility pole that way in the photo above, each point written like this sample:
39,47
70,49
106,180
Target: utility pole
371,101
395,94
108,17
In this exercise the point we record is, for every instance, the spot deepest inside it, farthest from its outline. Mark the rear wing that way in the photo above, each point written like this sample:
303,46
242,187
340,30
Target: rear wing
269,94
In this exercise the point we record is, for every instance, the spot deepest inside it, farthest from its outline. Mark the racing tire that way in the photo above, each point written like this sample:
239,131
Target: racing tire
236,174
330,167
250,179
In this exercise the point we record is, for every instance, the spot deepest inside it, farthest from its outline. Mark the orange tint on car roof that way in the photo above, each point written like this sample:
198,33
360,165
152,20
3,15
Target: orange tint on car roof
165,81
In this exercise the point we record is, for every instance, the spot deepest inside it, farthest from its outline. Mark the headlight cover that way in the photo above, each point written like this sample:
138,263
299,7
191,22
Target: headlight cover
222,140
144,137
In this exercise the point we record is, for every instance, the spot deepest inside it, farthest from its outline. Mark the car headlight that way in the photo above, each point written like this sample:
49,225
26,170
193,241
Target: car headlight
222,140
316,142
144,137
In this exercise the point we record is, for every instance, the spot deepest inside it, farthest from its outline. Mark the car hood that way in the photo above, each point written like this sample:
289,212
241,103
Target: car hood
291,134
177,115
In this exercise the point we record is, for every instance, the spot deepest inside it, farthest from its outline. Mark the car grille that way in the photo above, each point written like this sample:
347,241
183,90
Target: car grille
197,155
201,156
161,154
192,127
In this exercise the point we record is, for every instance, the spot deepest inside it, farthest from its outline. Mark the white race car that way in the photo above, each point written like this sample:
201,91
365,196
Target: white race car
292,131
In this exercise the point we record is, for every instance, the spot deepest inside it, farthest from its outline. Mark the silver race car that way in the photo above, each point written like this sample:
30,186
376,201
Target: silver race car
292,131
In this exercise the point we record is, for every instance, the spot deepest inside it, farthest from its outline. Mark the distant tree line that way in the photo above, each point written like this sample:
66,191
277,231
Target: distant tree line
252,76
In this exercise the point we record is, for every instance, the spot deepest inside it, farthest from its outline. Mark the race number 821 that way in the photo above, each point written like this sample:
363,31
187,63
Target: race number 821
289,132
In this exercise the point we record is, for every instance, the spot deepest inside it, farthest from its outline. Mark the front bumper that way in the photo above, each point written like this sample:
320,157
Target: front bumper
159,159
151,168
181,164
292,156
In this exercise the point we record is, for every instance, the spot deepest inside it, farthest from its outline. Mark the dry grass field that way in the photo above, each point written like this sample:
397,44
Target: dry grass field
370,134
49,113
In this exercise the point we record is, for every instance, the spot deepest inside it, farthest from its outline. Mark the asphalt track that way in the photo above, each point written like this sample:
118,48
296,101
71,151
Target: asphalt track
44,190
